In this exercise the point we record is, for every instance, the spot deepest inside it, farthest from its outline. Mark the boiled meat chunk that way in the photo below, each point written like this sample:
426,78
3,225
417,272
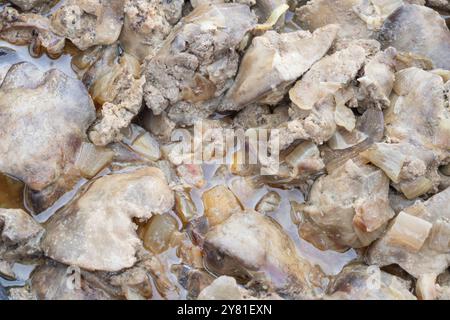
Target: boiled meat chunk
55,281
89,22
250,242
20,238
44,120
418,239
96,231
419,30
350,207
417,133
147,24
114,81
30,29
320,98
318,13
378,81
359,282
273,62
198,62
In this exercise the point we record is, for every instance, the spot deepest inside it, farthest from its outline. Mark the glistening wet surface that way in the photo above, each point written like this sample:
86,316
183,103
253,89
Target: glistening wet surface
12,195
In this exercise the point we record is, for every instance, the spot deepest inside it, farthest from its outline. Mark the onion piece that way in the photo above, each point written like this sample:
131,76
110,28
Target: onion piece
158,232
303,154
220,203
409,232
269,203
440,236
185,207
387,159
426,288
417,188
344,117
147,146
92,159
273,18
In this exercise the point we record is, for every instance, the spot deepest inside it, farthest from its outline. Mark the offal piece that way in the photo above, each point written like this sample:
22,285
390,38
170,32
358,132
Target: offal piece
251,243
115,83
146,25
360,282
197,63
30,29
96,231
320,98
348,208
273,62
418,240
44,120
420,30
417,139
89,22
20,239
358,19
378,81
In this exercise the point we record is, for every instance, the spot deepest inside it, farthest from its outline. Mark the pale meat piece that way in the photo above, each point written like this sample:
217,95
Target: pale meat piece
96,231
147,23
89,22
318,13
417,138
273,62
197,63
398,245
358,19
30,29
115,83
20,238
226,288
419,30
320,98
348,208
377,83
251,243
44,120
360,282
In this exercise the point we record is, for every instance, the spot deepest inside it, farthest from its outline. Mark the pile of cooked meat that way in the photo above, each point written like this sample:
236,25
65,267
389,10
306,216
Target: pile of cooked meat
96,202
